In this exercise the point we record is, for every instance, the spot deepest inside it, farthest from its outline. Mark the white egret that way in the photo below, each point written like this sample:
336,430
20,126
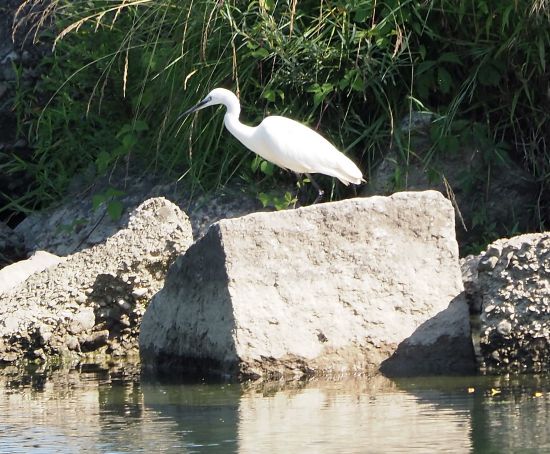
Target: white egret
284,142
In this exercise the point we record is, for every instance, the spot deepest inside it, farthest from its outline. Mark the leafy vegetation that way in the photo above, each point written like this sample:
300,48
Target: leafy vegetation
123,70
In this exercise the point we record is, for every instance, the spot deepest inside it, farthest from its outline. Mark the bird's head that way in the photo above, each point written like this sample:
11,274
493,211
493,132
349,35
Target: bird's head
216,96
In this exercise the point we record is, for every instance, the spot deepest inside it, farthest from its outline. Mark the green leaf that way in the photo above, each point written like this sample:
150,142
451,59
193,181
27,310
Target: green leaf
97,201
140,126
320,92
264,199
113,192
268,4
506,17
124,130
129,141
102,161
267,168
436,132
353,80
255,164
260,53
459,125
115,209
361,14
422,51
423,85
269,95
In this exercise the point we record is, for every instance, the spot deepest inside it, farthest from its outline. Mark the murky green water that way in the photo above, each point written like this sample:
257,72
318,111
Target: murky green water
116,411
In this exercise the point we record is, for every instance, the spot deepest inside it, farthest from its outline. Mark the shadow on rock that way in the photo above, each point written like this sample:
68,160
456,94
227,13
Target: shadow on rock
430,350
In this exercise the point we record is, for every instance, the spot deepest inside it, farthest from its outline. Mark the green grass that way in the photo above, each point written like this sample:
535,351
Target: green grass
123,70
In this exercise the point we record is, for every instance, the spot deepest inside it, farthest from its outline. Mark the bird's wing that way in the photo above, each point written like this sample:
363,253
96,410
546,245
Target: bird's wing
294,146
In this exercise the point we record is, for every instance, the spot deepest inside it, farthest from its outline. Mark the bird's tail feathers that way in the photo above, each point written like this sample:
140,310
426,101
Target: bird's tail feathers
349,173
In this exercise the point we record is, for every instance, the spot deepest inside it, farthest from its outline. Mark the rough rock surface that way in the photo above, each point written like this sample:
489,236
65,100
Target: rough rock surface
12,275
94,300
511,294
332,288
76,225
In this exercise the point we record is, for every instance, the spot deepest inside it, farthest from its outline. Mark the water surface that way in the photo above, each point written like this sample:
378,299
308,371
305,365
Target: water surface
118,411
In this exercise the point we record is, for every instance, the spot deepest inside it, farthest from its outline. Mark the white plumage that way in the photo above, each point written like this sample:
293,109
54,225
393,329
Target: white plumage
284,142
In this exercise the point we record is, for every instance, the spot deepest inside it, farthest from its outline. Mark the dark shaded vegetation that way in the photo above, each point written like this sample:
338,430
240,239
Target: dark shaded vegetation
123,70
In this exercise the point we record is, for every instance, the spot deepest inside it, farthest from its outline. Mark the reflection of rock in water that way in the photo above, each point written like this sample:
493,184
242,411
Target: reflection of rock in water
204,415
113,410
48,409
69,411
353,417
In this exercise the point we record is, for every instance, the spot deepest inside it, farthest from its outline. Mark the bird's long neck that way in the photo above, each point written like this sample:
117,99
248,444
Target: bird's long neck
241,131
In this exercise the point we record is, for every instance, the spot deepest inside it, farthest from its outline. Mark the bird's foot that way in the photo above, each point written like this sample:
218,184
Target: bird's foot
319,197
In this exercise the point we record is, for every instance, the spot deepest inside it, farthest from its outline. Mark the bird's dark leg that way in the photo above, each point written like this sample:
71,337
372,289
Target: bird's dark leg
316,186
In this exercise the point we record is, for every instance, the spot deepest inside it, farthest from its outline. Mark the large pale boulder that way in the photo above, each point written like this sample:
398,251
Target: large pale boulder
93,301
332,288
510,292
12,275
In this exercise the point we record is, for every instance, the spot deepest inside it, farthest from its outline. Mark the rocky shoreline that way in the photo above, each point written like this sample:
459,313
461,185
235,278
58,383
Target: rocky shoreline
84,294
358,286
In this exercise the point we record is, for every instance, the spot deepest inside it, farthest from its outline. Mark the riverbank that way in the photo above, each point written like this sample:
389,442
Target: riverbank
353,321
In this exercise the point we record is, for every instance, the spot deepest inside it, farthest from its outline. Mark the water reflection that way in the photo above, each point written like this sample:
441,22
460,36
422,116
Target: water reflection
354,416
116,410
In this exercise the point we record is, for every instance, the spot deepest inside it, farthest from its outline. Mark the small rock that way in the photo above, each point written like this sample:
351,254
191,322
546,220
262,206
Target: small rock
487,263
83,320
39,354
504,327
72,343
139,292
125,320
45,334
95,340
8,357
80,298
124,305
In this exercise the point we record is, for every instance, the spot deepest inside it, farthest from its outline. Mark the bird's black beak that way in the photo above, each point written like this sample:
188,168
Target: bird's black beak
196,107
